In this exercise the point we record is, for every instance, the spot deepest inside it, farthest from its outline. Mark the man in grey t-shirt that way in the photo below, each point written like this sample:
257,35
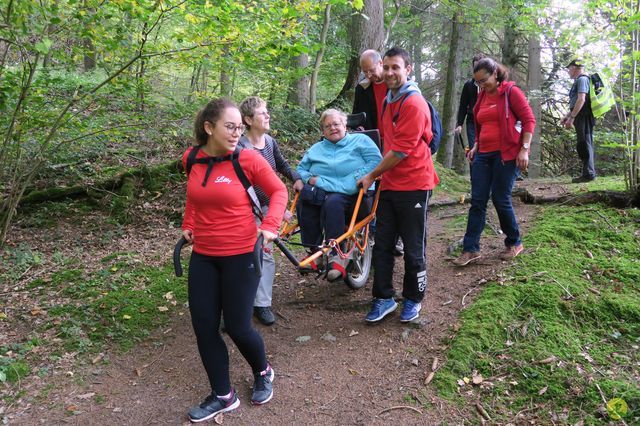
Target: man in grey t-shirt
581,118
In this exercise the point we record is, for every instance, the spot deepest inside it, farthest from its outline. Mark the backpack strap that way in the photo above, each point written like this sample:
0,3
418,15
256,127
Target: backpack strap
395,117
235,161
191,158
251,192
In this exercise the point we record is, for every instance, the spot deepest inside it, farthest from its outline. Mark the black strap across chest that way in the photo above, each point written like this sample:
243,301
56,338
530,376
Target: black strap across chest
235,161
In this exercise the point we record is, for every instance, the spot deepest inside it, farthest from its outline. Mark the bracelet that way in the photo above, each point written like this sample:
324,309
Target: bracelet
572,116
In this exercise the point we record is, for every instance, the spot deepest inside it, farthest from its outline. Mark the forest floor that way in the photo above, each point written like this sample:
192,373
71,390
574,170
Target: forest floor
342,371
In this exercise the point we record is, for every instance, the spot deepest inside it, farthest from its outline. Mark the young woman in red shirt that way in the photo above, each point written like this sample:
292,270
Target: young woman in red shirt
504,128
219,222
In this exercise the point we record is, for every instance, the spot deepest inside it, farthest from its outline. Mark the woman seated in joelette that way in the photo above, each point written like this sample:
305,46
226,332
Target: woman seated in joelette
330,170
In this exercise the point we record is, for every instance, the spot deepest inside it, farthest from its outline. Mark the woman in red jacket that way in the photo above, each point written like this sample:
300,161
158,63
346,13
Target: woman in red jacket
504,128
219,222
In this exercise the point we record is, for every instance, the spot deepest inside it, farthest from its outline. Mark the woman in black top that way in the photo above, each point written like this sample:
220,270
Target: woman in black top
468,99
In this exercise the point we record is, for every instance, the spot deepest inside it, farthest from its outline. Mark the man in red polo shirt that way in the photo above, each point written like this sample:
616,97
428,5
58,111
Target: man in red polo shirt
408,176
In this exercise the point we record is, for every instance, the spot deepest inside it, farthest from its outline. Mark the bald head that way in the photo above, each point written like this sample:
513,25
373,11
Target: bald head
371,65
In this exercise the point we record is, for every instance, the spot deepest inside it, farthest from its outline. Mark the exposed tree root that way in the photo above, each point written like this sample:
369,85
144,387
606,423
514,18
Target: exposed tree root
616,199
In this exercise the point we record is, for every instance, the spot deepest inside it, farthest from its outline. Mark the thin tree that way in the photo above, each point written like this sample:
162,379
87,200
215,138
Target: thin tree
316,66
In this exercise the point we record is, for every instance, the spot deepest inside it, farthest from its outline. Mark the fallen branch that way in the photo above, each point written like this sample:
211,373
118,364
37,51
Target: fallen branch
619,199
429,378
601,215
400,407
107,186
463,297
569,295
483,413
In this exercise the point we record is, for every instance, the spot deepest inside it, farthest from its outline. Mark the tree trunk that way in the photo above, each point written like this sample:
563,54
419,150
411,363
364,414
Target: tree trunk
445,156
509,45
225,78
299,89
316,67
534,79
89,58
416,51
364,34
635,125
89,55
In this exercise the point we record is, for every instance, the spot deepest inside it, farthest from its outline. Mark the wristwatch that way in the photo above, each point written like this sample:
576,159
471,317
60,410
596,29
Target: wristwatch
526,145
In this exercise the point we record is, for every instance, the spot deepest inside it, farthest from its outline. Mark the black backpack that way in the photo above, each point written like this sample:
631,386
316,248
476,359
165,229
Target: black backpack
235,161
436,123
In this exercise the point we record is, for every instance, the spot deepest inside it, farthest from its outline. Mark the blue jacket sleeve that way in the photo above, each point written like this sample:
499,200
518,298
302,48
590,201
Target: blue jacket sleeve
304,168
370,155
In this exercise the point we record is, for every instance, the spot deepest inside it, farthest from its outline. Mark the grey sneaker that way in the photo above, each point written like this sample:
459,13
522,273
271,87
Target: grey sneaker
264,314
263,386
212,406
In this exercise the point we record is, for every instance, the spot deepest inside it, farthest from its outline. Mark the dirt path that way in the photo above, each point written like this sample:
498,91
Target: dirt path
346,373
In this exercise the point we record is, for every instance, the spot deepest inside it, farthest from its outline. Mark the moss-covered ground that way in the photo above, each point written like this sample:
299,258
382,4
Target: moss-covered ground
557,334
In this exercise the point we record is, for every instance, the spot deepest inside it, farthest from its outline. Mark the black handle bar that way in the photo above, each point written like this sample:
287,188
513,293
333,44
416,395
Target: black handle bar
257,258
286,252
177,266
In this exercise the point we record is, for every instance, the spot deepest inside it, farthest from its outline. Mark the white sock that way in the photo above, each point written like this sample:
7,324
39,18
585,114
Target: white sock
226,397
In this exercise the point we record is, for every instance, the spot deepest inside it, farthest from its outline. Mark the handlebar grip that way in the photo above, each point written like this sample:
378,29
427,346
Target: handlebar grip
257,258
286,251
177,266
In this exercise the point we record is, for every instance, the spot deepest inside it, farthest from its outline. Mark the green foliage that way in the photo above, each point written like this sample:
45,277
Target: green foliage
566,318
12,361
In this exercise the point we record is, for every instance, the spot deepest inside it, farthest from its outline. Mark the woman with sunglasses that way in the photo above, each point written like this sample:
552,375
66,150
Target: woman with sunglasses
504,128
219,222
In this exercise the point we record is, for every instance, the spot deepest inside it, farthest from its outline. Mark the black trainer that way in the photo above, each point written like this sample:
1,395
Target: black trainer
582,179
263,386
264,314
212,406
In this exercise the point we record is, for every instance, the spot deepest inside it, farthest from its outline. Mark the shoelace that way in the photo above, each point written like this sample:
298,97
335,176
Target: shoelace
208,399
261,379
378,303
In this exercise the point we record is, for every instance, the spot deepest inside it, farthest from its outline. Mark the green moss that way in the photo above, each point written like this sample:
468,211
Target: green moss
118,304
575,298
451,183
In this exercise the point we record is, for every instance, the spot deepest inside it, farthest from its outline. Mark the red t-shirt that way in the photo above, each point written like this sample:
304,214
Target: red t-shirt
219,213
379,93
410,135
488,118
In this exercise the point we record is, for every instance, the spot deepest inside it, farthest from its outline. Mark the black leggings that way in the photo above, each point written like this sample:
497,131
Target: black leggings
224,284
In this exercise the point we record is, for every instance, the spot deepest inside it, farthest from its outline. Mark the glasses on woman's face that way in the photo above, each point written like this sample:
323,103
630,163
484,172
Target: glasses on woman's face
335,124
484,80
232,128
264,113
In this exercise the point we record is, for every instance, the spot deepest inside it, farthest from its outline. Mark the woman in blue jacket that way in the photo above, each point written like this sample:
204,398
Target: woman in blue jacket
330,170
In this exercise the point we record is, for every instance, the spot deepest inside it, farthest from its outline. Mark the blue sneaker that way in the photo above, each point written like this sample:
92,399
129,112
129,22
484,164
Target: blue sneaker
380,308
410,310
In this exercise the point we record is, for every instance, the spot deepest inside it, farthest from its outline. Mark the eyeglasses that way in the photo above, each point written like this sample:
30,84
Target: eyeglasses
232,128
484,80
263,113
332,125
369,73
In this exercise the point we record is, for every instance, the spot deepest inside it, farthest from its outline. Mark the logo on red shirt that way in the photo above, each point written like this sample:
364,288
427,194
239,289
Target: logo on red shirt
223,179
